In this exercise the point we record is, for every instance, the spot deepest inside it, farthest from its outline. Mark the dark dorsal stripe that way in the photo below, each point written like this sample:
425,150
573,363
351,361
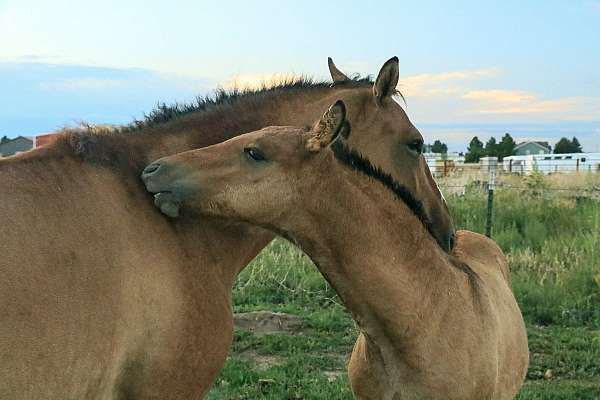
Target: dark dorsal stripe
356,161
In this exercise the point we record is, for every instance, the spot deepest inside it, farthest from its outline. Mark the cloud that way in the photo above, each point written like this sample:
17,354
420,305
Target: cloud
510,96
517,102
424,85
456,95
83,84
255,81
520,102
41,97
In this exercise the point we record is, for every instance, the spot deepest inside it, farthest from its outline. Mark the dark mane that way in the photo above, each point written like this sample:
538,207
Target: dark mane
103,144
164,113
355,160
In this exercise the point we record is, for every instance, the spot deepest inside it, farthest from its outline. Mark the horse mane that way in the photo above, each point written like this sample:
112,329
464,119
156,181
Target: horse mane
353,159
356,161
91,142
167,112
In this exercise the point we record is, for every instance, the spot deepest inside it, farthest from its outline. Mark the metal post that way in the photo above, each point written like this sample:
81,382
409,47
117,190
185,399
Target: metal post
490,203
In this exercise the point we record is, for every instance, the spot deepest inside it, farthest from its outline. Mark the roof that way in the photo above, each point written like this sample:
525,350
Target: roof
17,138
543,145
13,146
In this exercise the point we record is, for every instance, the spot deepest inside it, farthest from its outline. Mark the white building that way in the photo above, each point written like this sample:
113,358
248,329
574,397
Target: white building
552,163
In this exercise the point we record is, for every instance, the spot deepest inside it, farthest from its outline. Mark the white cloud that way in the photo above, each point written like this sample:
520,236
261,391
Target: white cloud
424,85
83,84
510,96
255,81
455,95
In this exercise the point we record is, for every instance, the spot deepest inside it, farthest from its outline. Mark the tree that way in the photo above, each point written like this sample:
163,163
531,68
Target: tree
506,147
575,146
475,150
562,146
565,145
491,148
439,147
4,139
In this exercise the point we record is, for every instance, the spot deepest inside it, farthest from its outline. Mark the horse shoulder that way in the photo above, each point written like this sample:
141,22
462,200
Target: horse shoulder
481,253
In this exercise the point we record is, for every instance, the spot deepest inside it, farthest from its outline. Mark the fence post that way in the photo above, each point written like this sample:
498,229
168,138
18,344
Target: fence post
490,203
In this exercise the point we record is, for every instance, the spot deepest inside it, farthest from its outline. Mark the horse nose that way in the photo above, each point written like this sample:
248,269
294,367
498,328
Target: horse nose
150,169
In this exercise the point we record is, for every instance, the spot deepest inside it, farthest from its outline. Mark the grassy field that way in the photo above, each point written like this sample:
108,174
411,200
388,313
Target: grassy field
552,239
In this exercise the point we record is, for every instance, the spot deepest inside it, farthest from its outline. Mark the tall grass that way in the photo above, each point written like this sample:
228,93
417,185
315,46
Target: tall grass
552,241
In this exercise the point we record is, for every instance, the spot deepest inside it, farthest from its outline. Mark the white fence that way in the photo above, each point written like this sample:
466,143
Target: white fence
552,163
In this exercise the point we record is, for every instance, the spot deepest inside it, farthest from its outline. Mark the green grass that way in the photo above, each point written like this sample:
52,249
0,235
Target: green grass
553,245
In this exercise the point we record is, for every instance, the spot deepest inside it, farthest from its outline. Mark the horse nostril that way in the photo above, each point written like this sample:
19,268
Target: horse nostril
150,169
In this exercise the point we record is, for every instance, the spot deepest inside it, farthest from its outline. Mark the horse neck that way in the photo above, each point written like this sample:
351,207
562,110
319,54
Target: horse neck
376,254
224,246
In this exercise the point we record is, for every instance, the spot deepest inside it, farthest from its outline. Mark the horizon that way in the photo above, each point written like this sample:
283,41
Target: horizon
470,70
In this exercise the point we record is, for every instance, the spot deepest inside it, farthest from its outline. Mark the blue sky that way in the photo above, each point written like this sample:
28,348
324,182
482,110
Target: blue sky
470,68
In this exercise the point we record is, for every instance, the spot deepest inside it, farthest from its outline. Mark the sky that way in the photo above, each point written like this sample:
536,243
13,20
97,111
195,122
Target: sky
466,68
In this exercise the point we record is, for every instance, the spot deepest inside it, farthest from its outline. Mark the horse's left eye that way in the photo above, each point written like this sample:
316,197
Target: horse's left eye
255,154
416,146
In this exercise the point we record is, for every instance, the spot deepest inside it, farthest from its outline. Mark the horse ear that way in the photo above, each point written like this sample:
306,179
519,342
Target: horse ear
387,80
326,130
336,74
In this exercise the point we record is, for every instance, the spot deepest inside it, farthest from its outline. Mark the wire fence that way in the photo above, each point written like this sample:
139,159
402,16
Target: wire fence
548,164
500,186
580,186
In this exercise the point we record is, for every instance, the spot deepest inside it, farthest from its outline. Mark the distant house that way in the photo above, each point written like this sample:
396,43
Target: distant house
531,147
16,145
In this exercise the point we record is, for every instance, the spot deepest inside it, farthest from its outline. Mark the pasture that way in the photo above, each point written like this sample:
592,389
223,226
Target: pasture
552,240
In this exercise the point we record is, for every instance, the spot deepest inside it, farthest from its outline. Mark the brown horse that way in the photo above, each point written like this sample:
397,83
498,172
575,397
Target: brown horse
103,297
433,325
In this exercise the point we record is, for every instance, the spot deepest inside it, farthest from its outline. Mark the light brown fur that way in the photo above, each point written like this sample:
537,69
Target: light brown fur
102,296
433,325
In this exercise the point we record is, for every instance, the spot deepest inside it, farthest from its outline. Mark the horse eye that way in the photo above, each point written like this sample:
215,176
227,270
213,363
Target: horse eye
416,146
255,154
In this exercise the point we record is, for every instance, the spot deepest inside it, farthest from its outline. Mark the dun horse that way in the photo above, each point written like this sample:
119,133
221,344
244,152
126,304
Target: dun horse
103,297
433,325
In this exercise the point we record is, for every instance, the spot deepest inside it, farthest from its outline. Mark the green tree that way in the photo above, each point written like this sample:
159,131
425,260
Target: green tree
4,139
565,145
506,147
491,148
562,146
475,150
575,146
439,147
